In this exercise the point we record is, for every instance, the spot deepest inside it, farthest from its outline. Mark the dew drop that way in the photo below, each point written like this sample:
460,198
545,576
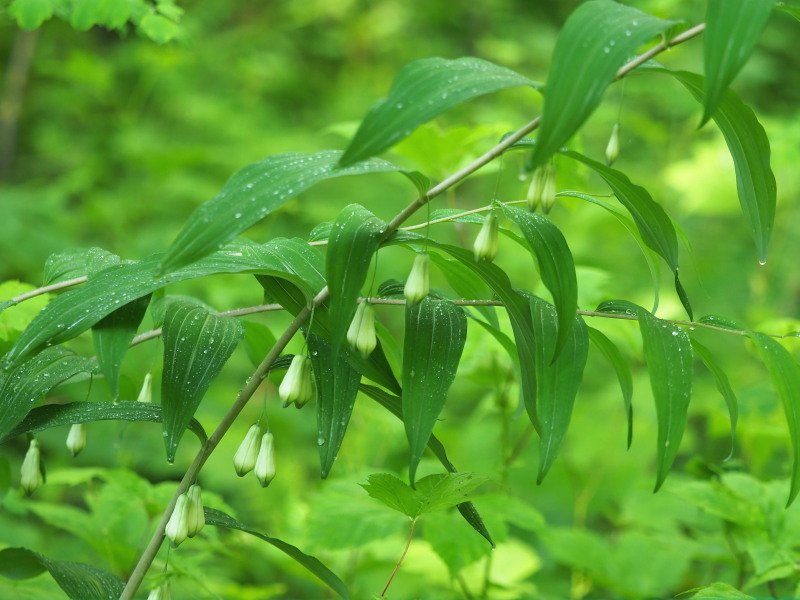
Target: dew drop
606,49
237,216
320,441
762,262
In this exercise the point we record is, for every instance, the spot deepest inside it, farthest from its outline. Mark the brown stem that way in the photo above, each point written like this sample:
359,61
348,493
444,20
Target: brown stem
19,65
402,556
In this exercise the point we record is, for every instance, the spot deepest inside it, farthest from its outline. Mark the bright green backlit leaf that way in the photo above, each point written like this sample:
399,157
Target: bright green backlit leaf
29,14
432,493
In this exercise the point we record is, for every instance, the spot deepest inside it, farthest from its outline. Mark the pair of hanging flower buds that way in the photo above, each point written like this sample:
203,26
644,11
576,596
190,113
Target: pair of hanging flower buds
187,517
259,458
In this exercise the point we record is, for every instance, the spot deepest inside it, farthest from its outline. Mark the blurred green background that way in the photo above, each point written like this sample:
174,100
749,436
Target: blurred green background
119,138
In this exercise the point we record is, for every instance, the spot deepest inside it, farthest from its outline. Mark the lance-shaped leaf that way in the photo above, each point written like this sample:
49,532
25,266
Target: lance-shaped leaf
251,194
435,333
337,388
112,338
612,354
53,415
78,580
354,238
313,565
785,374
556,268
432,493
749,148
75,311
196,346
21,387
654,224
557,381
723,385
732,30
596,40
422,90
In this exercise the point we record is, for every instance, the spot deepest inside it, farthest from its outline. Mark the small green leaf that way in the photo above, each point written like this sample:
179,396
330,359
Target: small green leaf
29,14
654,224
732,30
596,40
668,352
53,415
432,493
78,580
723,385
718,591
722,322
112,337
66,265
354,238
337,388
785,374
159,28
196,346
394,493
21,387
612,354
313,565
251,194
422,90
556,268
435,333
557,381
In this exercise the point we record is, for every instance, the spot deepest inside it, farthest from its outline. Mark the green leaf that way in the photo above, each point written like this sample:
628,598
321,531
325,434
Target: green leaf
557,381
435,333
654,224
66,265
29,14
556,268
112,337
668,352
159,28
455,544
75,311
78,580
422,90
30,381
723,385
354,238
732,30
53,415
612,354
251,194
258,340
337,388
596,40
196,346
788,8
220,519
432,493
749,148
785,374
719,590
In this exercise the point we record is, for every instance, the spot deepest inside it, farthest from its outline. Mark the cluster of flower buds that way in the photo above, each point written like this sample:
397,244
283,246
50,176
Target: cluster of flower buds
187,518
542,190
76,438
298,385
146,393
416,287
160,593
265,462
486,243
31,472
245,458
612,149
361,334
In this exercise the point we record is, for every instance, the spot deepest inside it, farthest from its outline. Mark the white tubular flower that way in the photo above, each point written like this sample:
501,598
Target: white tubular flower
31,472
486,243
196,516
536,188
549,188
612,149
160,593
146,393
416,287
76,438
297,385
245,458
361,334
265,463
177,528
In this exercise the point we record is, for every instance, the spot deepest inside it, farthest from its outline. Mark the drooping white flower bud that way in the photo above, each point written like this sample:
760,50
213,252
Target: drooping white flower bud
245,458
486,243
265,463
542,190
196,517
146,393
31,472
549,190
161,592
177,528
361,334
76,438
612,149
416,287
297,385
